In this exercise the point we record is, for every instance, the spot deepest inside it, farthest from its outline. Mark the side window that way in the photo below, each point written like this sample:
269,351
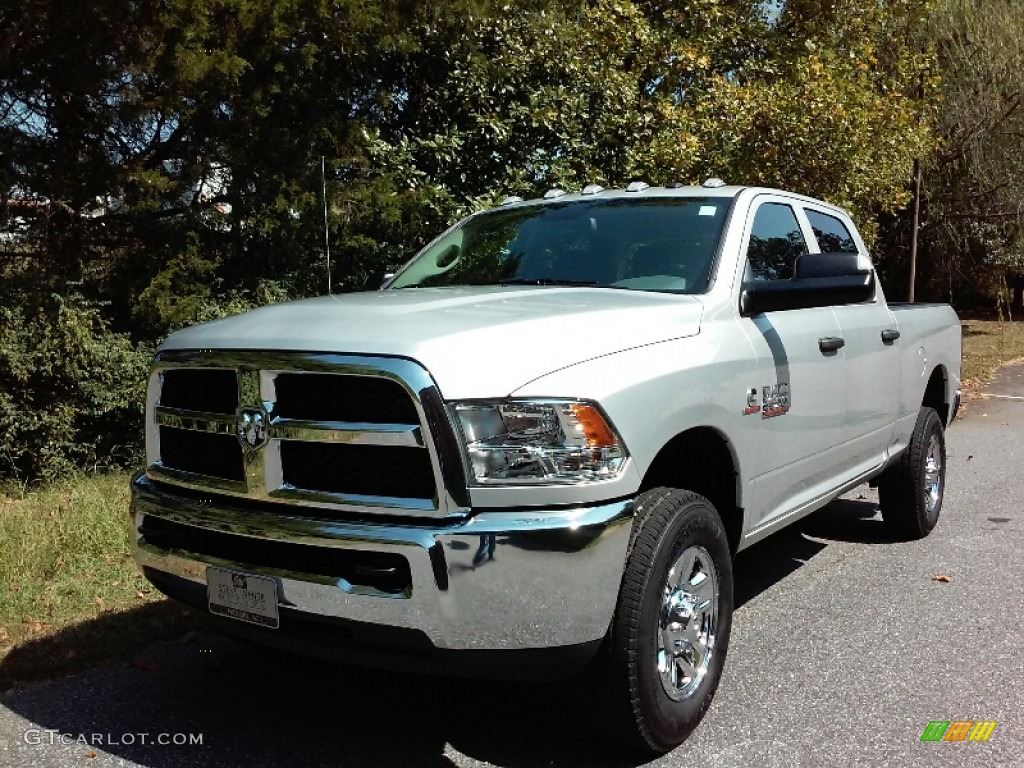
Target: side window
831,234
775,243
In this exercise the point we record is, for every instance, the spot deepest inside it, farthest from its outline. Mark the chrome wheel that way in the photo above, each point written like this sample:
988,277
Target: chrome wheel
662,659
687,622
933,475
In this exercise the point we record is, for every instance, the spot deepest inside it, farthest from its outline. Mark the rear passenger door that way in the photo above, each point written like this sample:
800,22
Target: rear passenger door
800,425
872,365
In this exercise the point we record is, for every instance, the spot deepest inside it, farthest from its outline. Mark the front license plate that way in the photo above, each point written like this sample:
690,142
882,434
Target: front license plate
242,596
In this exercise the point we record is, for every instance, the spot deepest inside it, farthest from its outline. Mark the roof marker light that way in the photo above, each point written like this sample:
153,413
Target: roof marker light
637,186
674,185
512,199
713,183
553,194
593,189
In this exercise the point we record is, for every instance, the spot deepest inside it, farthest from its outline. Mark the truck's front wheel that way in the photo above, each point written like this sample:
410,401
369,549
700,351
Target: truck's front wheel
667,644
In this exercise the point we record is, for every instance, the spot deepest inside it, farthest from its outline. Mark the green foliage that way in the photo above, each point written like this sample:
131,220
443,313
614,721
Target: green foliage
71,392
187,291
822,98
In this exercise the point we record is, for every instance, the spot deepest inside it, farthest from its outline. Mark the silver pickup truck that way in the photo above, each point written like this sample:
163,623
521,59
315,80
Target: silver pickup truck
537,448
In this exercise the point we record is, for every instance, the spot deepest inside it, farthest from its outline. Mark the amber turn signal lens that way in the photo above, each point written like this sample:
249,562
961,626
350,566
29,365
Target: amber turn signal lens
596,429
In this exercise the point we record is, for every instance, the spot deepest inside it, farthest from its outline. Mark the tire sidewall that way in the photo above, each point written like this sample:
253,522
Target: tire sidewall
931,426
669,722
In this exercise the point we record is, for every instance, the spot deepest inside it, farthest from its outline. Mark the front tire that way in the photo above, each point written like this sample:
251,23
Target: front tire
663,657
910,492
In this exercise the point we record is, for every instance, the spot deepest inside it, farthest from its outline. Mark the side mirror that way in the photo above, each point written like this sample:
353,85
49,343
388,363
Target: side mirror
819,280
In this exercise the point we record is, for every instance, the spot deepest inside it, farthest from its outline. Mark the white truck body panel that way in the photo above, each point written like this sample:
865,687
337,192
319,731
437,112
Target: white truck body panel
476,342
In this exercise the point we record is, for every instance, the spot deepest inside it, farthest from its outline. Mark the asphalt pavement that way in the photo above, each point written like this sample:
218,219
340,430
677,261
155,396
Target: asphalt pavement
845,645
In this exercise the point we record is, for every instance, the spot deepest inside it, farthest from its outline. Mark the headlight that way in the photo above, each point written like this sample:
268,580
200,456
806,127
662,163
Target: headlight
525,441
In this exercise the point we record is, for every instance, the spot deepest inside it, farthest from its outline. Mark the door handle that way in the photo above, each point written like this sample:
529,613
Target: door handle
831,343
890,335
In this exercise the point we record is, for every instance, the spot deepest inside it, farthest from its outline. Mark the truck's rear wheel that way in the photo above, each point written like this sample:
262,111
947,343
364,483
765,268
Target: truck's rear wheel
663,656
910,492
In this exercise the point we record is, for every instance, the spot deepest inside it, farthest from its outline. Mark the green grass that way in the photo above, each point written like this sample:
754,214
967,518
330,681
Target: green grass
987,345
65,573
69,557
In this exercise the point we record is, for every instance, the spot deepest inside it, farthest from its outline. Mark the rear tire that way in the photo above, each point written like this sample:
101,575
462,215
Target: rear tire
910,492
662,659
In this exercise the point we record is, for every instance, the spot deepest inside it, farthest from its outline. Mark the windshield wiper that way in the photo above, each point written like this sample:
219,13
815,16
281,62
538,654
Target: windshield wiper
546,281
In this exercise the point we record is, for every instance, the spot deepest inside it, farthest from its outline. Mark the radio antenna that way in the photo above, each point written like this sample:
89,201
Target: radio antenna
327,230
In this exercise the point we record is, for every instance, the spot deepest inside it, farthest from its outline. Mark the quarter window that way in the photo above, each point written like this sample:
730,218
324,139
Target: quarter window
831,234
775,243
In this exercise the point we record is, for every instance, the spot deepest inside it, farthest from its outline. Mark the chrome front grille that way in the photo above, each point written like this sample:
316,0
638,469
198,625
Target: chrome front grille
332,432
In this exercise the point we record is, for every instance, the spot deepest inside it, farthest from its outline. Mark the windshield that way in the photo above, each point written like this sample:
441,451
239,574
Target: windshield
652,244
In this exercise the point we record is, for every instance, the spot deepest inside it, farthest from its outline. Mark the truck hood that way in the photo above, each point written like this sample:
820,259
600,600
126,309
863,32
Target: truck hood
475,341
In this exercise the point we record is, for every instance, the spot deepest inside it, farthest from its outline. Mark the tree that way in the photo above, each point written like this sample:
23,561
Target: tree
974,183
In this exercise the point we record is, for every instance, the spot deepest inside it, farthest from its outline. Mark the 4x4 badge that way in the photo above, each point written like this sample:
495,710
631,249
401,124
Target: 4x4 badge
252,428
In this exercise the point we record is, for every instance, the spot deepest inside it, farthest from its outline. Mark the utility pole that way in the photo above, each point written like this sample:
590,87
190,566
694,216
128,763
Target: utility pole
913,235
327,229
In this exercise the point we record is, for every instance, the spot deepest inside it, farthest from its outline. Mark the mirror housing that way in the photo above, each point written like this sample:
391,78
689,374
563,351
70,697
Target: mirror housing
819,280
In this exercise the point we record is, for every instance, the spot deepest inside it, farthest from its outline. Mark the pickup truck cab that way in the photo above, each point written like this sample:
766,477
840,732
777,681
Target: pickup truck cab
537,448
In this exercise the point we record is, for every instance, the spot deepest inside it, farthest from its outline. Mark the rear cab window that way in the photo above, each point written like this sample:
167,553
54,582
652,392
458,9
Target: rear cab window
832,234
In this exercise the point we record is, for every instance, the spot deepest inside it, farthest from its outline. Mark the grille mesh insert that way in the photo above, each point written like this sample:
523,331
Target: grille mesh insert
202,453
368,470
194,389
325,397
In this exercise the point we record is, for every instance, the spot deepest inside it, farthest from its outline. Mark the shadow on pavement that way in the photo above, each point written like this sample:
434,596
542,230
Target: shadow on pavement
255,708
768,562
261,709
849,520
90,643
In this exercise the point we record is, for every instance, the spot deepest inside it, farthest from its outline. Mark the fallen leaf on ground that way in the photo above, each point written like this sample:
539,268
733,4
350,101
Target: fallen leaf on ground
3,634
145,665
140,595
970,456
35,627
942,577
91,755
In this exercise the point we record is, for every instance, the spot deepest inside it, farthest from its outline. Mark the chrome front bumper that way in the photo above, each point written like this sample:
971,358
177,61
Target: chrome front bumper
498,580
